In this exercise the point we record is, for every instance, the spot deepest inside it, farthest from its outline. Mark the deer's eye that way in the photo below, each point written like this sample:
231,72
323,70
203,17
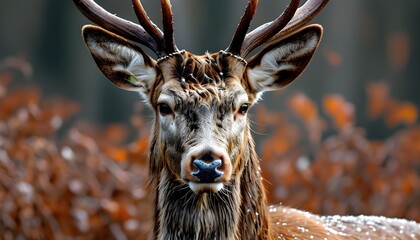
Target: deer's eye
164,109
243,109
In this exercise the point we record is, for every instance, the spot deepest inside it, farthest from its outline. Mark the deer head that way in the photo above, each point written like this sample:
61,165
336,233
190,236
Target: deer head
202,157
201,102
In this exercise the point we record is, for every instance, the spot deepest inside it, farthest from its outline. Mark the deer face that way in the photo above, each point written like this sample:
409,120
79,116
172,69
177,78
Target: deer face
201,110
201,102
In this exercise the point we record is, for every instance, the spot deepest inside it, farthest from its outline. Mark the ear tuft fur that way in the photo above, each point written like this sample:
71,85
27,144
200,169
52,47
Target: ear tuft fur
283,60
122,62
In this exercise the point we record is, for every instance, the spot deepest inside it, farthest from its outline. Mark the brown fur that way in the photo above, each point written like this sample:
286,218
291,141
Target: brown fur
203,92
239,211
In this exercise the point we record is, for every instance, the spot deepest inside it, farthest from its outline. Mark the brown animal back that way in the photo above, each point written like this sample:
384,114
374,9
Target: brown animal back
289,223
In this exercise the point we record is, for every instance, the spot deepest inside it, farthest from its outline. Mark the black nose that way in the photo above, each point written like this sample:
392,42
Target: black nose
207,172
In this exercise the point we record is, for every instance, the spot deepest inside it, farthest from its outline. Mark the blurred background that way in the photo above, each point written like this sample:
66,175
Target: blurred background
364,42
355,109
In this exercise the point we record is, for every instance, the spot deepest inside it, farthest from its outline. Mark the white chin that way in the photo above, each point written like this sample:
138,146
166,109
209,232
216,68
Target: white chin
205,187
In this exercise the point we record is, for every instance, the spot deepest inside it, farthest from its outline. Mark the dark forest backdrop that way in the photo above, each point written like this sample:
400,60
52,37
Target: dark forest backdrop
343,139
365,41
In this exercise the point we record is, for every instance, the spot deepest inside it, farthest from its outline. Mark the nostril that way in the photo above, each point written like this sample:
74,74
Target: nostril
207,172
207,157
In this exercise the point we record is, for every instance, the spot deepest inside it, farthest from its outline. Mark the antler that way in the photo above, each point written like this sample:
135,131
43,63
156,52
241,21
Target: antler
168,26
147,33
239,36
302,16
147,24
290,20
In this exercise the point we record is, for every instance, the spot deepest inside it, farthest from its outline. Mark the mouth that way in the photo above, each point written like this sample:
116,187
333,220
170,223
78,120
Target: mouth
198,187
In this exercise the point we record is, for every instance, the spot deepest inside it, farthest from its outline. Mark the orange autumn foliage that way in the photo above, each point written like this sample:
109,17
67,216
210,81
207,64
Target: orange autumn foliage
303,107
340,111
402,113
307,110
381,104
346,173
378,99
92,181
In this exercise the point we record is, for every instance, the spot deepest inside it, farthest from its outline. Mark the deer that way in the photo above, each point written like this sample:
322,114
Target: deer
203,164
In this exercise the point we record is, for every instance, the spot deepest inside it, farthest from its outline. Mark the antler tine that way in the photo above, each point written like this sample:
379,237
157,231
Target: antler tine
239,36
147,24
303,15
168,26
266,31
127,29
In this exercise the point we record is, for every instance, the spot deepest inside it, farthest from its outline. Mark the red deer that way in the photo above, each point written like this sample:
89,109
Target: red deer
203,162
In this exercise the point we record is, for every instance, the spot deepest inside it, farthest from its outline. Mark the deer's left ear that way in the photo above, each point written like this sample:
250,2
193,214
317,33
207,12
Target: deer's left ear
283,60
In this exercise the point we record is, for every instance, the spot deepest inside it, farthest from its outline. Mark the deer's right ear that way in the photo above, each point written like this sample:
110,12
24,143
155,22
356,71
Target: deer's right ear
122,62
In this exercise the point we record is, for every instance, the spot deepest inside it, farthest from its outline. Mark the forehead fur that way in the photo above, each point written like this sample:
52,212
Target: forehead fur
205,78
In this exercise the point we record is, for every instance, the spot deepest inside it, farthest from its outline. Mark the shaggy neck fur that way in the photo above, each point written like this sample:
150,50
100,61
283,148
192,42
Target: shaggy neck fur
236,212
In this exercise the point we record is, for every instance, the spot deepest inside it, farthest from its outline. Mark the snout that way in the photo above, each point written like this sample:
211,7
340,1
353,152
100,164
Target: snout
206,169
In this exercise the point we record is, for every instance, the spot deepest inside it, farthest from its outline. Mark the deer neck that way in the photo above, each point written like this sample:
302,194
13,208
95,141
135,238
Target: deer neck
236,212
